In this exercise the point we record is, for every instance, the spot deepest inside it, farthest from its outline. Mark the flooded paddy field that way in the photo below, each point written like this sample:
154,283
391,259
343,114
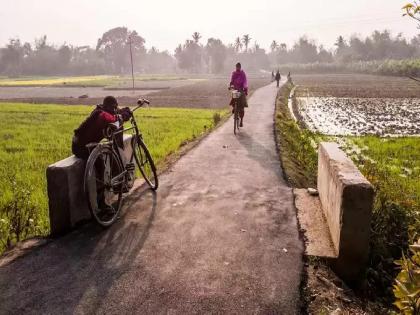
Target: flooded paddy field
361,116
354,105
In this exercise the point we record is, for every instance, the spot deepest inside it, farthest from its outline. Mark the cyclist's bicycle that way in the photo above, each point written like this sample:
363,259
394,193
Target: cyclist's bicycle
110,172
235,96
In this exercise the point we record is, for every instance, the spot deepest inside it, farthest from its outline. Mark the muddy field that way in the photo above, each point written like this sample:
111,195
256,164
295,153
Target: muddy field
356,85
196,93
208,94
358,104
361,116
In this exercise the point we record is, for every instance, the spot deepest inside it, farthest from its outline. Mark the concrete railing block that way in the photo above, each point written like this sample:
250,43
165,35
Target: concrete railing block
66,195
347,198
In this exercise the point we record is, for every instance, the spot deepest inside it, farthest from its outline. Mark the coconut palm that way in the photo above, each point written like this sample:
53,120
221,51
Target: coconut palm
246,39
196,37
274,45
238,44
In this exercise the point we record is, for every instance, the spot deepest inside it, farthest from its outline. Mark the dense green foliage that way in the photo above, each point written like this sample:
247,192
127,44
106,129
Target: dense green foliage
35,136
378,46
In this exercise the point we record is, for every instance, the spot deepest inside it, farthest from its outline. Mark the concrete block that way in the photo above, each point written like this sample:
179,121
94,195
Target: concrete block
347,199
66,195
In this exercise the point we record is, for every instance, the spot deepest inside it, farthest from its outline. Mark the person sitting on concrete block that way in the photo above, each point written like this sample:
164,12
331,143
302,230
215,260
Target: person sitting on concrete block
92,129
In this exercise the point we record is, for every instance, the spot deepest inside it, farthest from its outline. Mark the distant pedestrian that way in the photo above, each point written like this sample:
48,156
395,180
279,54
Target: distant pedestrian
278,78
289,78
272,76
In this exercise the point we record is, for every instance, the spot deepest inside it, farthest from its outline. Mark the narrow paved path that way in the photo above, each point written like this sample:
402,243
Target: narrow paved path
220,236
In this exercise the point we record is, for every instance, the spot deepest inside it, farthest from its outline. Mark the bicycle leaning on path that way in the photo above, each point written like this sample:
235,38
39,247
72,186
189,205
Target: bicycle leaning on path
109,173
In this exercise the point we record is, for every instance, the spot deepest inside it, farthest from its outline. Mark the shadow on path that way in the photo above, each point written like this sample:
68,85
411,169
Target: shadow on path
260,154
81,265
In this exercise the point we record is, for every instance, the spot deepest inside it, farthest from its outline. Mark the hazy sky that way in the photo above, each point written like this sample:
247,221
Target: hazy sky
164,24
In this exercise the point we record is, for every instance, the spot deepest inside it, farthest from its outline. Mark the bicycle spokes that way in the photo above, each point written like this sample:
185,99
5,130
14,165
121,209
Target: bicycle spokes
104,180
145,162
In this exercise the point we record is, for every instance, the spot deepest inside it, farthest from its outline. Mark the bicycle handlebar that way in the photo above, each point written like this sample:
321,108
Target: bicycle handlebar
140,103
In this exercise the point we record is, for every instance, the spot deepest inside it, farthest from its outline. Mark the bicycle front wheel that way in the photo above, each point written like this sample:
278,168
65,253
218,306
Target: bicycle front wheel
235,117
145,162
104,182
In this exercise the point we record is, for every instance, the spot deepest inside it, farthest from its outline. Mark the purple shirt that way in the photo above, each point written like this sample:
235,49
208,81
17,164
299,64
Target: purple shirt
239,80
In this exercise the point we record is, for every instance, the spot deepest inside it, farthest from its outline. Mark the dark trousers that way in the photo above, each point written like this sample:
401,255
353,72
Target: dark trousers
278,82
78,150
82,152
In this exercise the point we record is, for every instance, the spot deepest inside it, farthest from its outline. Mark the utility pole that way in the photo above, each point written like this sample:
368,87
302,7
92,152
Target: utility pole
131,58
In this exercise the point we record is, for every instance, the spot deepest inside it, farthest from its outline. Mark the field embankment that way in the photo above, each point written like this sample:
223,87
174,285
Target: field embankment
38,135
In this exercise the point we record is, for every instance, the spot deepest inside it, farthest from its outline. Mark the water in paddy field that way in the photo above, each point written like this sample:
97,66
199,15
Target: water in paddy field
361,116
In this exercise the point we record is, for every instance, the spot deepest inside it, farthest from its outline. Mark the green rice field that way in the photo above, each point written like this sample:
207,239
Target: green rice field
35,136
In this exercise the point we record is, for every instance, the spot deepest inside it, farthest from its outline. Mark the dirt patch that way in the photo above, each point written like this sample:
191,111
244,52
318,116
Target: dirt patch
211,93
204,94
328,294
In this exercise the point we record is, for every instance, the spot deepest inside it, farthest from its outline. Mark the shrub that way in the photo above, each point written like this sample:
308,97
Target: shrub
407,283
216,118
395,224
19,217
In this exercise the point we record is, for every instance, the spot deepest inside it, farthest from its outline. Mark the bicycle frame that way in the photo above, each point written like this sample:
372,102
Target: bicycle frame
113,141
236,95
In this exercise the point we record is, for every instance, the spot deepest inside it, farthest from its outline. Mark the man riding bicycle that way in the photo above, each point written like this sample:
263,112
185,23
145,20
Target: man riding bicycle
239,82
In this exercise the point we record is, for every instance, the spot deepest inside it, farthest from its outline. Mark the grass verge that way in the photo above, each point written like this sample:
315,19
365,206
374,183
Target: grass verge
39,135
297,154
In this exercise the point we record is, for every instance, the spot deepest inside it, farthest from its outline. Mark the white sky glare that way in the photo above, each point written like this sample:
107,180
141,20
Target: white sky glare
165,24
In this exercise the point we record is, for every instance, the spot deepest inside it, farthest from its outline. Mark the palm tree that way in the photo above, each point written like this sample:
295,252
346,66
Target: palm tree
256,46
196,37
238,44
274,45
246,39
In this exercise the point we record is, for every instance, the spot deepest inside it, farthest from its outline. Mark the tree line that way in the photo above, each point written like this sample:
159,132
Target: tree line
112,54
380,45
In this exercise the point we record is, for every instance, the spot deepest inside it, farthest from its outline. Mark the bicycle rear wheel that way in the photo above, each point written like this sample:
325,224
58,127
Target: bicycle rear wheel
104,181
145,162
